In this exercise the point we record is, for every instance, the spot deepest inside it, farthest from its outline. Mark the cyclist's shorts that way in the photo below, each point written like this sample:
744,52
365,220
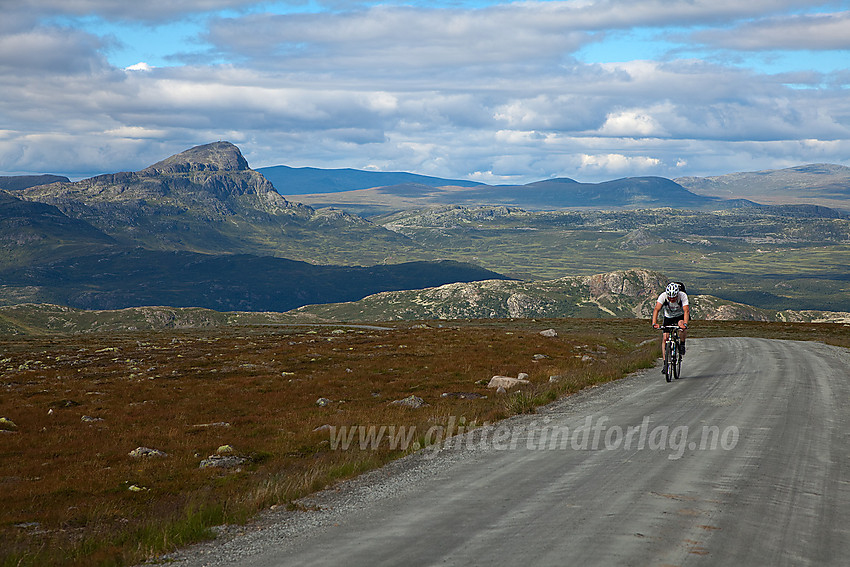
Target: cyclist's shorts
673,320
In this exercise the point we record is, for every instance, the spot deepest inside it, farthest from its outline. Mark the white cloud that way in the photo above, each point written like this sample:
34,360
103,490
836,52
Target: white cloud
618,162
491,93
141,66
632,123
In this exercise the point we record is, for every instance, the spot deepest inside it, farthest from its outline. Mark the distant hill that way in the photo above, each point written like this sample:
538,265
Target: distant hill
627,293
371,193
306,180
552,194
18,182
818,184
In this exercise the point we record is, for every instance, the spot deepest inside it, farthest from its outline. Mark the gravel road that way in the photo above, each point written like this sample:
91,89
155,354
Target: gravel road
745,460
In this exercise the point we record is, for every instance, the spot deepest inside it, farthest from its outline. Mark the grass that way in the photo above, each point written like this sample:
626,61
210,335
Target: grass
80,404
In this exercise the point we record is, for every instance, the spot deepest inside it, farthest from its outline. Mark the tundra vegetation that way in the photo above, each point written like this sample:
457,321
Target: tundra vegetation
105,434
781,257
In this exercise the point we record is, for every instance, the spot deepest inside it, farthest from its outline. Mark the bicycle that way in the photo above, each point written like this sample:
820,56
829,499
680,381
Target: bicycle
672,352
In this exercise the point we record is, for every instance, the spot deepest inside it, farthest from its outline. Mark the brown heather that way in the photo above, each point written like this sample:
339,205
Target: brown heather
66,483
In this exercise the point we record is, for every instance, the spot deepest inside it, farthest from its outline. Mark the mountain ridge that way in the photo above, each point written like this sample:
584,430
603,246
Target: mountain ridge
306,180
620,294
370,195
207,199
18,182
550,194
818,183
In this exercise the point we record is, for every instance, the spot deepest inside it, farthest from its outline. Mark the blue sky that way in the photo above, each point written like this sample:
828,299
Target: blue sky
492,91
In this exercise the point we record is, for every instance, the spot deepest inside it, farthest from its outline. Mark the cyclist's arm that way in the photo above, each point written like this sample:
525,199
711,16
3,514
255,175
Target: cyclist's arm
655,312
687,318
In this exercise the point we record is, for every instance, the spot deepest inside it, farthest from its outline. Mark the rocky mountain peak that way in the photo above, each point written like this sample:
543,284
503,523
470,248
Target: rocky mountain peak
217,156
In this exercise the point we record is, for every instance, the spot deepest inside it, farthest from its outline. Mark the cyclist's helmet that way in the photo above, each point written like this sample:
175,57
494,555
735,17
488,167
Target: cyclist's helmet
672,290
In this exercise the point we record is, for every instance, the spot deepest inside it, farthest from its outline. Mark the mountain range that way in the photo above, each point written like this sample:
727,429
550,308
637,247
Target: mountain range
373,193
819,183
203,229
304,180
550,194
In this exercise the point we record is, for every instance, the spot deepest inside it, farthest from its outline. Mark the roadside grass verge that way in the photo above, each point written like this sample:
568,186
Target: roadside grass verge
73,494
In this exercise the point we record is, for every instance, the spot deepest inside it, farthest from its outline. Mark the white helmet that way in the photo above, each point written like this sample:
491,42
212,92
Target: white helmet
672,290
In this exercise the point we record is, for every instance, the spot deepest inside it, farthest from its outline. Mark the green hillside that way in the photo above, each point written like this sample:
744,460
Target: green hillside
774,258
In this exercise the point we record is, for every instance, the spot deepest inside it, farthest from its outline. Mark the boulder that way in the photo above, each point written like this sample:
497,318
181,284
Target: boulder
144,452
507,382
414,402
223,462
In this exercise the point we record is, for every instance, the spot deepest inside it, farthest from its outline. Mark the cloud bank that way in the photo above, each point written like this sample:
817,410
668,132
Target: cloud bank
492,91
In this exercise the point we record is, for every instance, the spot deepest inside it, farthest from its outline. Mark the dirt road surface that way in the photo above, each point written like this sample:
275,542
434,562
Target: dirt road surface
745,460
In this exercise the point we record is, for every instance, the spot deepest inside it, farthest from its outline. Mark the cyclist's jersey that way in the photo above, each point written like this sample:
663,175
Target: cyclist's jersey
673,310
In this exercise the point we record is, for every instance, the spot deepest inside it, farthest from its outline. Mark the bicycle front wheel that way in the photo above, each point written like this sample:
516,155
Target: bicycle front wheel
676,364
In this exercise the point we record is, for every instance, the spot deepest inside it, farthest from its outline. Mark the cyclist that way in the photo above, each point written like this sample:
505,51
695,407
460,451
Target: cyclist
676,311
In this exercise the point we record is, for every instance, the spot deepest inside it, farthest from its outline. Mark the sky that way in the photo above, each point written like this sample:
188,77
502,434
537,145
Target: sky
492,91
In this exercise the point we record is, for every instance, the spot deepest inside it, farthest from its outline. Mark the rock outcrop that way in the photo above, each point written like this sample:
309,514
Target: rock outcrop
623,293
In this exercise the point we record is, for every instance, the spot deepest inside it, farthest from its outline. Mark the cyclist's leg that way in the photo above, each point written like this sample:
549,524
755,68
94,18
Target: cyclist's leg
664,337
682,333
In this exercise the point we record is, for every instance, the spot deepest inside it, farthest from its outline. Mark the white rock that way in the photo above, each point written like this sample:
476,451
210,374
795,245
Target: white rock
507,382
414,402
139,452
222,462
